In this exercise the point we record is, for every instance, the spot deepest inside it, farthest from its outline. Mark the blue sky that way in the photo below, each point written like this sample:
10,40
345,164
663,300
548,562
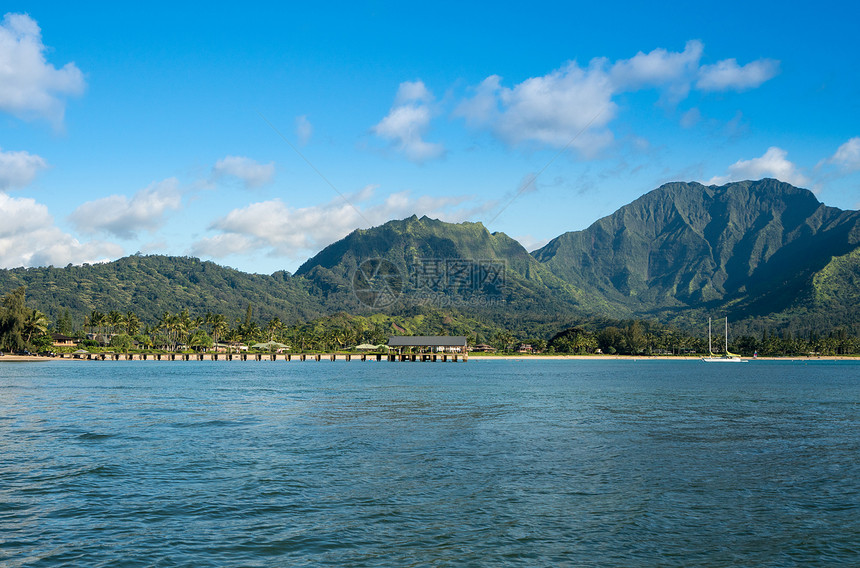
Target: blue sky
254,135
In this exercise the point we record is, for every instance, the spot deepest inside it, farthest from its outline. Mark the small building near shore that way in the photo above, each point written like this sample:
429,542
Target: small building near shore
60,340
434,343
370,347
271,346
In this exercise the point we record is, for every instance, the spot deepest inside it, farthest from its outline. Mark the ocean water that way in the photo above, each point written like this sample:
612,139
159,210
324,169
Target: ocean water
488,463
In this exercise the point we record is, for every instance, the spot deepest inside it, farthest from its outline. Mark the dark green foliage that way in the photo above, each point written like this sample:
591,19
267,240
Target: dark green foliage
64,323
21,327
767,254
122,342
573,340
151,285
630,337
413,245
13,316
749,249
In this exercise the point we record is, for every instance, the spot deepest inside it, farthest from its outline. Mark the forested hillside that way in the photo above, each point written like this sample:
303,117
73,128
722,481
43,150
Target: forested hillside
766,254
751,250
152,285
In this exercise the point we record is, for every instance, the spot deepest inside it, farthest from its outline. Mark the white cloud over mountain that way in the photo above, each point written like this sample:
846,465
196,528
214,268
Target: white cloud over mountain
727,75
18,169
124,217
551,110
773,163
847,156
407,122
294,232
30,87
574,105
28,237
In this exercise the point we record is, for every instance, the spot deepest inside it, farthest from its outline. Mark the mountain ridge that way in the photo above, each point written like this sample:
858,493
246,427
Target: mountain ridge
689,245
759,251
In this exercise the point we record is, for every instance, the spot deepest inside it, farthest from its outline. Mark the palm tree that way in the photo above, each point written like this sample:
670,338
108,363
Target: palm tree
185,319
337,338
503,340
95,321
36,322
232,336
114,319
273,327
219,326
252,331
131,322
171,325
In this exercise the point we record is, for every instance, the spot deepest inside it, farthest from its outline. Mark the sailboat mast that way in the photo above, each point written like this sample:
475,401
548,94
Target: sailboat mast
727,335
711,351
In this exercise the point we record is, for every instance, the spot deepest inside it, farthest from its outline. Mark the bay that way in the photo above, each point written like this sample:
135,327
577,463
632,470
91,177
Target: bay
488,463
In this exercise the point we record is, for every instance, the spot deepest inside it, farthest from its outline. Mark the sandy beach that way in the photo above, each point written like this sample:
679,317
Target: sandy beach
478,358
26,359
646,358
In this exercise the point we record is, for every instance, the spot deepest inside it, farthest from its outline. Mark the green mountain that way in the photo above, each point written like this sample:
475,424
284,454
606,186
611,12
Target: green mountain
458,266
764,253
151,285
452,273
750,249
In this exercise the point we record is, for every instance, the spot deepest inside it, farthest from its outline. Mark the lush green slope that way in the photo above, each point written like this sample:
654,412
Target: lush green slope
151,285
442,264
522,295
753,247
765,253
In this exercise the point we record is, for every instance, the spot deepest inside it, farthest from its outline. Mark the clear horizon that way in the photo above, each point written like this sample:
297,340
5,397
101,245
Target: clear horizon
256,137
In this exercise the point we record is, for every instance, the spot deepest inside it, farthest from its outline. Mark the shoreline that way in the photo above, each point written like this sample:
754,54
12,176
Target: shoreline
653,358
473,358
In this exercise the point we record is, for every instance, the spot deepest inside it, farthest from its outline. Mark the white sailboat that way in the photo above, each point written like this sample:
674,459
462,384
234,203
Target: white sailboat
728,357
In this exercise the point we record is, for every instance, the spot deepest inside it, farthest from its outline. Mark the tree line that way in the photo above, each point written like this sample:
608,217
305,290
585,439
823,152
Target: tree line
649,338
21,328
25,328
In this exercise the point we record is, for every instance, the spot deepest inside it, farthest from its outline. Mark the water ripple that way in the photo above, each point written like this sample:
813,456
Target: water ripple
484,464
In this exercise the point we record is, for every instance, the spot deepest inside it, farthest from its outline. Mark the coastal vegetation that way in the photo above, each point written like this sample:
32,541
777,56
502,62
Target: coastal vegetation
21,327
24,328
783,267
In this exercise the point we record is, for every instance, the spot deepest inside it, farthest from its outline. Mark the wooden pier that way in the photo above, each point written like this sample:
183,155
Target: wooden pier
378,357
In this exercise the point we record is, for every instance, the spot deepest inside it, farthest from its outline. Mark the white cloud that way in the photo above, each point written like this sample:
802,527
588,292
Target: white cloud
304,129
550,110
30,87
574,105
28,237
531,243
412,91
123,217
18,169
293,232
847,156
250,172
772,164
223,245
407,123
728,75
659,68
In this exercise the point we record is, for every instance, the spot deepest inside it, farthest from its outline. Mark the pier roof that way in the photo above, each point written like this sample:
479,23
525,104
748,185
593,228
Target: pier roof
427,341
